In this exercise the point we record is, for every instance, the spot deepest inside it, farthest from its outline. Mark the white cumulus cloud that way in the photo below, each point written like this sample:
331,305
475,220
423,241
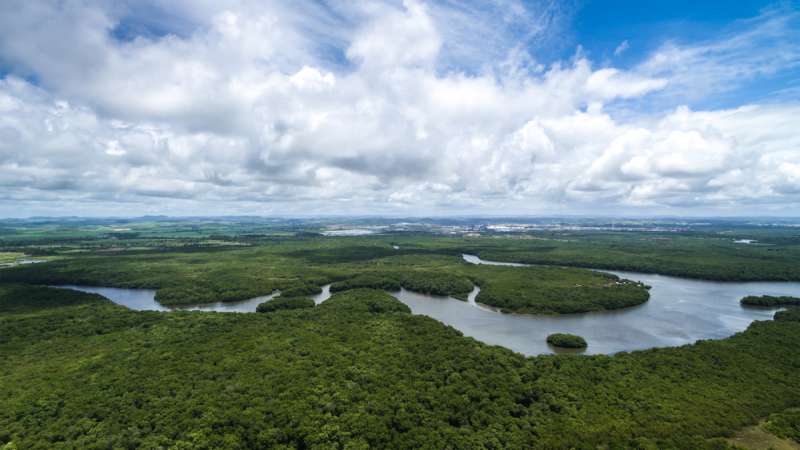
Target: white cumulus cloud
279,108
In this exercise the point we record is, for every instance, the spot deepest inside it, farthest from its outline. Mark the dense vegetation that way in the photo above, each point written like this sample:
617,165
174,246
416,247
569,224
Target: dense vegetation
208,260
364,301
710,257
770,300
301,290
785,424
368,280
551,290
426,282
204,275
566,340
441,283
282,302
791,314
358,371
705,249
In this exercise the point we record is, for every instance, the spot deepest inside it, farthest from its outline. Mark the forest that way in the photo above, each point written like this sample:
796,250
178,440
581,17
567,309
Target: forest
708,256
284,302
360,371
785,424
299,266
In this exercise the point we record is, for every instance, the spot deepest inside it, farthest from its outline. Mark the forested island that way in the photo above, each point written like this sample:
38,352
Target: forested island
566,340
770,300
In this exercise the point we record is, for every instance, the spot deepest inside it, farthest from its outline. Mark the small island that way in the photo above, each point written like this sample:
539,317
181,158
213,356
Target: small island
564,340
285,303
770,300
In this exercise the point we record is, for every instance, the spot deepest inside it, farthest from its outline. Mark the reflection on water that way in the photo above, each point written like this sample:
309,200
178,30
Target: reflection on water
680,311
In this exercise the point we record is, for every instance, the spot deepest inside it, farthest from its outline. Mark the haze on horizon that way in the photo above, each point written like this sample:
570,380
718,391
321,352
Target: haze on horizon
402,108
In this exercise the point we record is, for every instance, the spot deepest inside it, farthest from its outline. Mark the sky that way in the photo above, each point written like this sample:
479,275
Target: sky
399,107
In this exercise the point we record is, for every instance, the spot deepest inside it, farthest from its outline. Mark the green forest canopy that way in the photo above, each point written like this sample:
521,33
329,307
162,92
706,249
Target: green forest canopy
358,371
204,276
566,340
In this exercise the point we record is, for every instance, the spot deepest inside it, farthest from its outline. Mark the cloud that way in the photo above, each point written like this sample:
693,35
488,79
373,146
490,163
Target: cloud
334,107
747,50
401,38
611,83
621,48
700,157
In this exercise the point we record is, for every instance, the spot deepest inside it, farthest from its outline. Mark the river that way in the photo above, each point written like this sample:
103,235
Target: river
680,311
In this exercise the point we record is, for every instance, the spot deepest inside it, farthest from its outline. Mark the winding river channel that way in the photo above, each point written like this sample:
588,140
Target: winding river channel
680,311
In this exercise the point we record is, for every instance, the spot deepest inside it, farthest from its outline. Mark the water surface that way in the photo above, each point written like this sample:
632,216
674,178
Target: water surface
145,300
680,311
322,296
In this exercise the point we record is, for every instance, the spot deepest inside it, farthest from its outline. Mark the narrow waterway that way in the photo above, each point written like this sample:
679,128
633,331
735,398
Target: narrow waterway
145,300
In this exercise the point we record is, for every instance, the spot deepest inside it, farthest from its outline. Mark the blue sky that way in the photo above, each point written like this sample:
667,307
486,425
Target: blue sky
408,107
600,27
